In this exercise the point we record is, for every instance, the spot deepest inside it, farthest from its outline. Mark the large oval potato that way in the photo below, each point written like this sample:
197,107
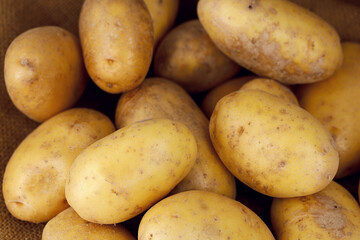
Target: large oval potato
123,174
332,214
117,41
273,38
161,98
187,56
67,225
274,147
35,176
335,102
44,72
201,215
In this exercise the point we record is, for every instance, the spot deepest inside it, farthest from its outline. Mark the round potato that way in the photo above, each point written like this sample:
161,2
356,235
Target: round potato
335,102
67,225
123,174
161,98
201,215
35,176
188,56
273,146
44,72
273,38
332,213
117,41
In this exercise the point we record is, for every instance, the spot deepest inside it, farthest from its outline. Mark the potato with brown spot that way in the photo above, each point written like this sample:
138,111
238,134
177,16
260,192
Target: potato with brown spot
332,213
273,38
44,72
34,178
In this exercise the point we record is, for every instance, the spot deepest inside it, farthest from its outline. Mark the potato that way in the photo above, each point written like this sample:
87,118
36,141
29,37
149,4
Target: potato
123,174
67,225
163,14
201,215
272,87
35,176
215,94
117,41
335,102
332,213
187,56
274,38
44,72
274,147
160,98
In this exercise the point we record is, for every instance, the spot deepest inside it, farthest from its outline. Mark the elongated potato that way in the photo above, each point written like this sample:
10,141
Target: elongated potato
123,174
67,225
273,38
274,147
332,214
201,215
160,98
35,176
117,41
335,102
44,72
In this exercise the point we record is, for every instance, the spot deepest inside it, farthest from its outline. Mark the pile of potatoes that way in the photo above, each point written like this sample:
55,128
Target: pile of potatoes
279,113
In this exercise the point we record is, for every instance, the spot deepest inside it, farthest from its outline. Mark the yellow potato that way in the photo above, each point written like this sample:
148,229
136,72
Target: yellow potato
274,147
67,225
123,174
187,56
201,215
35,176
274,38
335,102
44,72
215,94
163,14
332,213
272,87
160,98
117,41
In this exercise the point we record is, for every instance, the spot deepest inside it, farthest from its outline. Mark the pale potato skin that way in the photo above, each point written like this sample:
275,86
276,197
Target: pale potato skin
161,98
187,56
331,214
125,173
44,72
276,39
67,225
273,87
163,14
117,39
335,102
274,147
223,89
35,176
201,215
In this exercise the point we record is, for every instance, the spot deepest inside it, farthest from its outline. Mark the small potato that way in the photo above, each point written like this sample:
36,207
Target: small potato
161,98
331,214
44,72
187,56
274,147
163,14
67,225
213,96
117,39
125,173
335,102
201,215
272,87
35,176
273,38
